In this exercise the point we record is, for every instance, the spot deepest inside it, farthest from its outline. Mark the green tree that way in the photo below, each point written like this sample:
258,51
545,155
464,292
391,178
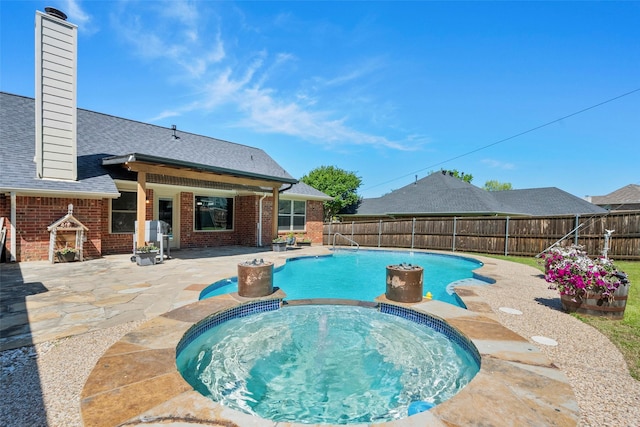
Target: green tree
494,185
335,182
466,177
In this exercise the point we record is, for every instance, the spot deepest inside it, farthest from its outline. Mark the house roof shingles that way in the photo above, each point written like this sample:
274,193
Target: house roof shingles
627,194
442,194
101,136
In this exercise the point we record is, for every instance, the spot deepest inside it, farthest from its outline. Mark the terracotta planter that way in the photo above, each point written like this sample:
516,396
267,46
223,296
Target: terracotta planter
594,305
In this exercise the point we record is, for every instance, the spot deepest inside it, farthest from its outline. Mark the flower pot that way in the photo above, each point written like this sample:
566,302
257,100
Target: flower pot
146,258
303,244
279,246
66,257
595,305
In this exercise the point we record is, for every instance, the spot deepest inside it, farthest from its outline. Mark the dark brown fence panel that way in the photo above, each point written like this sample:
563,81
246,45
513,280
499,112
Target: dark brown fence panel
524,236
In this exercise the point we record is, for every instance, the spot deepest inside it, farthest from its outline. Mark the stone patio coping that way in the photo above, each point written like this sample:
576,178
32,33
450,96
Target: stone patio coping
136,382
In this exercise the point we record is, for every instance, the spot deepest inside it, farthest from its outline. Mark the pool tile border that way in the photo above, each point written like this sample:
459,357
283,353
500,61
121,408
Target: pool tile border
435,323
516,384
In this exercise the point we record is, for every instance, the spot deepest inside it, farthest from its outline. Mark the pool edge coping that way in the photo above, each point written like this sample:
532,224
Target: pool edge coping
502,349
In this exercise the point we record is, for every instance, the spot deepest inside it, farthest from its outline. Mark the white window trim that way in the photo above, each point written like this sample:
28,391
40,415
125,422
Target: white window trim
292,215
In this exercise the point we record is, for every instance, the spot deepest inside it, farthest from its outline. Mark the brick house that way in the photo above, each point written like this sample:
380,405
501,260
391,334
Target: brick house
118,172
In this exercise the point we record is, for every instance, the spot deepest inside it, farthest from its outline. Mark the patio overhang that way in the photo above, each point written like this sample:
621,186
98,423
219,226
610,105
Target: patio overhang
137,162
144,164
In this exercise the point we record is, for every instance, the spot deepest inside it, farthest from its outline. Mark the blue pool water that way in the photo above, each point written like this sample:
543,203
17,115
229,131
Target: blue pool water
326,364
359,275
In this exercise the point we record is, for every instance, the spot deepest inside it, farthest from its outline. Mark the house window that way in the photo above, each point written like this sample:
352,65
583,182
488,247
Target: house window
292,215
124,212
213,213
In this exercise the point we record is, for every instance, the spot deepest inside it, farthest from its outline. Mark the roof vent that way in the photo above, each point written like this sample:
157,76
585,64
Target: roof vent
174,128
55,12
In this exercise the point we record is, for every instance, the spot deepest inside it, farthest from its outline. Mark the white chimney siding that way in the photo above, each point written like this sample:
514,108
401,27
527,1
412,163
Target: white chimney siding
56,98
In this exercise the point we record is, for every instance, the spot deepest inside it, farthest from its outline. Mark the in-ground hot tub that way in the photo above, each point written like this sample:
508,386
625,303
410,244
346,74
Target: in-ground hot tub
322,363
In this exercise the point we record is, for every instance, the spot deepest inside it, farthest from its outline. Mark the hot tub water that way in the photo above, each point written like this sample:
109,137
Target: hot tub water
325,364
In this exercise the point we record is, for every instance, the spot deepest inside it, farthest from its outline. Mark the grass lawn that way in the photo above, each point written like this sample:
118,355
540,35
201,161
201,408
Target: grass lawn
625,334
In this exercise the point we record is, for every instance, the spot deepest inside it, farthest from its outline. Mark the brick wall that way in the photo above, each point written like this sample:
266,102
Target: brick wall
120,243
244,225
246,220
315,217
314,220
35,214
267,218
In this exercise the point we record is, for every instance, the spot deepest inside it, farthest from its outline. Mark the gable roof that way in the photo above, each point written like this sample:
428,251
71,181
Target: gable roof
545,202
306,191
443,194
627,194
103,136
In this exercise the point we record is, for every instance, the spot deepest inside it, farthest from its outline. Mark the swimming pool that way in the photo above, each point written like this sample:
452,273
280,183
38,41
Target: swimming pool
326,363
359,275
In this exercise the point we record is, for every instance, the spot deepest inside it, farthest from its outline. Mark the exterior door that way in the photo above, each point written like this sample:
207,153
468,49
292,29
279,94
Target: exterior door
165,213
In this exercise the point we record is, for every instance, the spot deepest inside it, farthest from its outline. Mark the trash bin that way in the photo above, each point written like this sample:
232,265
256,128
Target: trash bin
255,278
404,283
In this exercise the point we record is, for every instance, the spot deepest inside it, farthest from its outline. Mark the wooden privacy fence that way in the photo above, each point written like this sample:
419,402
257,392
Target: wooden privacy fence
519,236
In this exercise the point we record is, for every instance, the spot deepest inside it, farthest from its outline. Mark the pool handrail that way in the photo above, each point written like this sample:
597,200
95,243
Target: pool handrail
353,242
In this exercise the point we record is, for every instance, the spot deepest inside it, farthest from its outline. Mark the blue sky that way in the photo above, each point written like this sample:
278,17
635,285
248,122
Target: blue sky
388,90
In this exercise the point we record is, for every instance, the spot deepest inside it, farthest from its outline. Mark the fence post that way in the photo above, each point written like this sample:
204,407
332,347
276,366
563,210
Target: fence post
379,232
506,238
455,219
413,232
352,222
575,239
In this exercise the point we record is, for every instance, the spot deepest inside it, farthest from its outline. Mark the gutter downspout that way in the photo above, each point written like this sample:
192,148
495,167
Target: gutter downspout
259,243
285,189
13,227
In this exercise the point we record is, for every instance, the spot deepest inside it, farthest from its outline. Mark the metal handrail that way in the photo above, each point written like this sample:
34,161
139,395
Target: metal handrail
353,242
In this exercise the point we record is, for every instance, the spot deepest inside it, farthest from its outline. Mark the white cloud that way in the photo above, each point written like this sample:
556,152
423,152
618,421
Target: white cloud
78,16
164,115
242,86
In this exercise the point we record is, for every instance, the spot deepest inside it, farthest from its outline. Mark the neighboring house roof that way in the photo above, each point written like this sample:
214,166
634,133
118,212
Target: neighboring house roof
305,191
627,195
545,201
102,136
443,194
